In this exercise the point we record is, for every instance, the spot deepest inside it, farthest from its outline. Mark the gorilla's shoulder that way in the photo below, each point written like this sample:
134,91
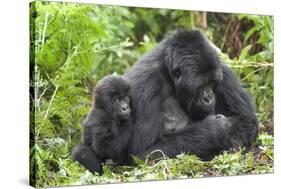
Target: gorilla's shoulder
147,65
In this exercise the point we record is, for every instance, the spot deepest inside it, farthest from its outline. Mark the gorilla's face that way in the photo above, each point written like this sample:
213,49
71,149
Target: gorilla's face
192,79
112,95
121,105
195,69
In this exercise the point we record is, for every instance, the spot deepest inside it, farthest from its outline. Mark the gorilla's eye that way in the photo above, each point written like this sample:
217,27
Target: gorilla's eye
126,99
177,73
116,98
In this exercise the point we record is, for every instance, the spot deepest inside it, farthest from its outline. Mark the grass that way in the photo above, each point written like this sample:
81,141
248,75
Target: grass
233,162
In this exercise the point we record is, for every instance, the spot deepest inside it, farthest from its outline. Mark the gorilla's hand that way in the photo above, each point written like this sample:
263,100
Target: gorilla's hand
217,120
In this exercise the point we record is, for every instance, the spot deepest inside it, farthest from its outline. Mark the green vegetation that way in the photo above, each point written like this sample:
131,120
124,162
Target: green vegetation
72,46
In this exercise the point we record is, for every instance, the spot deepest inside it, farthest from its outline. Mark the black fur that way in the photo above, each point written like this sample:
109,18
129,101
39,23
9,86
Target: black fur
175,121
179,67
107,129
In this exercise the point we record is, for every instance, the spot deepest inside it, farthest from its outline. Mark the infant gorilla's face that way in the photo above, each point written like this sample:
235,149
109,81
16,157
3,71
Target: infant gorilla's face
122,107
112,94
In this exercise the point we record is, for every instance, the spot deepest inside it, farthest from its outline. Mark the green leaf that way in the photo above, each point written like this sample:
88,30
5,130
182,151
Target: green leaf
244,53
138,161
251,32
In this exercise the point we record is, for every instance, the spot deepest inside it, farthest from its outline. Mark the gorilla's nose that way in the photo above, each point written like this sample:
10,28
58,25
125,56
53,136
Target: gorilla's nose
219,116
207,100
125,107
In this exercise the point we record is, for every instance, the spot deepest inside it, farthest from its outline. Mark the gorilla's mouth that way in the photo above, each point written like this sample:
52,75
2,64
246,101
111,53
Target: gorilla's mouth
203,96
202,103
207,96
125,116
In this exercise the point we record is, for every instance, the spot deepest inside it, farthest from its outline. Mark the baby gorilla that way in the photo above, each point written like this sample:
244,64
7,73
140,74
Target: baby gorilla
202,109
107,127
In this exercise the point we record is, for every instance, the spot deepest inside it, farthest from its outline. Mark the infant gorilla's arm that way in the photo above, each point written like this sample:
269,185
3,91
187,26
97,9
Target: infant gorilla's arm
97,125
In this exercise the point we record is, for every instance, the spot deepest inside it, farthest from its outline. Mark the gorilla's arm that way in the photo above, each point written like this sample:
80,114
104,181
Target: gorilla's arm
237,104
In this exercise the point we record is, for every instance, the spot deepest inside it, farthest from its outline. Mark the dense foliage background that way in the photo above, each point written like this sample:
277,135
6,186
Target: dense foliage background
72,46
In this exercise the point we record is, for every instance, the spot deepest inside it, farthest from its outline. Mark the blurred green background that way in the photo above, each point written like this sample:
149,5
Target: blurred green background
72,46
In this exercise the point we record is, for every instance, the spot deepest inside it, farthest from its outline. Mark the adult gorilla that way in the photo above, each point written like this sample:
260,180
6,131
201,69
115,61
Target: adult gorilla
182,66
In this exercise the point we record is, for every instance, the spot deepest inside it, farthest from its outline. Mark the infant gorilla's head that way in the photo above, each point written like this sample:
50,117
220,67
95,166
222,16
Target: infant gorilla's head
111,94
194,68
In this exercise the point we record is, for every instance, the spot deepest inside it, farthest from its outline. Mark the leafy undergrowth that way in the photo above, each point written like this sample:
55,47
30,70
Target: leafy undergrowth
234,162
